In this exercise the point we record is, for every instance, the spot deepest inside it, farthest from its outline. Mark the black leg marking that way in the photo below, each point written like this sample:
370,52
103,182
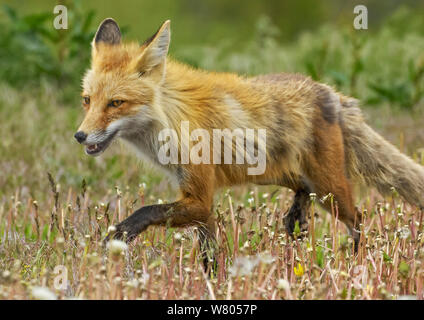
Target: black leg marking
136,223
208,248
298,212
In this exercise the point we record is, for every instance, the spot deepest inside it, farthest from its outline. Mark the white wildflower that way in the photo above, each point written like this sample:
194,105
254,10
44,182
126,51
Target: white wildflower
283,284
404,232
243,266
43,293
111,229
265,258
117,246
144,278
177,236
407,297
324,198
132,283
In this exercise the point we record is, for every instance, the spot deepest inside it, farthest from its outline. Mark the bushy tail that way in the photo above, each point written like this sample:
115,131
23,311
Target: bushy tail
375,161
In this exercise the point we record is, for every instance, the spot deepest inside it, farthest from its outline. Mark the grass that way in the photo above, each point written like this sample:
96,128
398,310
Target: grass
56,205
256,259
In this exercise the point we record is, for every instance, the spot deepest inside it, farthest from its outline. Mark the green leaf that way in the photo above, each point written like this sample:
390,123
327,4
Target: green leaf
45,232
296,230
10,12
386,258
404,268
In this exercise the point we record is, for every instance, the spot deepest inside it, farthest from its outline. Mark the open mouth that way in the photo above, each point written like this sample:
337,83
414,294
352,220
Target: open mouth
97,148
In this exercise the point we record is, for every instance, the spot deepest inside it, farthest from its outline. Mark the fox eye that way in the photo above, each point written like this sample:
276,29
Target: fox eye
86,100
115,103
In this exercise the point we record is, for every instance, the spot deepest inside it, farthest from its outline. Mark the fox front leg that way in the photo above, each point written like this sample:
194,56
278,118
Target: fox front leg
136,223
177,214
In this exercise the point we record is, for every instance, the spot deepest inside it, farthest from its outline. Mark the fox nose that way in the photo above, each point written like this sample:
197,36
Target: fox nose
80,136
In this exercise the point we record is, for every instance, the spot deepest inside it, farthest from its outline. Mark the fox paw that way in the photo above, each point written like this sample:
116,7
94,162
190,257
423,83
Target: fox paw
121,231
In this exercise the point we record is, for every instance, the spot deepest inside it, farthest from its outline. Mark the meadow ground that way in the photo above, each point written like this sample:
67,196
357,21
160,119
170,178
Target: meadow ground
56,205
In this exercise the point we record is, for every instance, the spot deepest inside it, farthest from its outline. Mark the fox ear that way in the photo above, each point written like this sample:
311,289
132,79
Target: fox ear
155,49
108,32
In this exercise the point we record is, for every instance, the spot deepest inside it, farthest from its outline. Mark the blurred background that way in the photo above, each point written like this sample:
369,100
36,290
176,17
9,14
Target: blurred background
41,69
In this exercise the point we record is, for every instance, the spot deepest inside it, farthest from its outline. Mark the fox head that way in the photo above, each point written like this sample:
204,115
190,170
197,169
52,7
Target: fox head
121,85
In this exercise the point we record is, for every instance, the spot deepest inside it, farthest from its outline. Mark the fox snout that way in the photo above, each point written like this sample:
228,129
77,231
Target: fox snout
80,136
96,142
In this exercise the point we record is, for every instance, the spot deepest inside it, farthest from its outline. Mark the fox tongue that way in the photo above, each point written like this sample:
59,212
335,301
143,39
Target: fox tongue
92,147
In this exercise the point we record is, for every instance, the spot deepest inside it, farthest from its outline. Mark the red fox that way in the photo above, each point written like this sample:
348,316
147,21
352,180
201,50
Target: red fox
317,141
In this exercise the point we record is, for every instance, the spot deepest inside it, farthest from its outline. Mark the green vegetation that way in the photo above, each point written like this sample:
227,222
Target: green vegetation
56,204
382,65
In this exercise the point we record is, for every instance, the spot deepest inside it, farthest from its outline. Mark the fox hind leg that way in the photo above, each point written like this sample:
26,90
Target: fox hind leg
298,212
325,169
208,245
